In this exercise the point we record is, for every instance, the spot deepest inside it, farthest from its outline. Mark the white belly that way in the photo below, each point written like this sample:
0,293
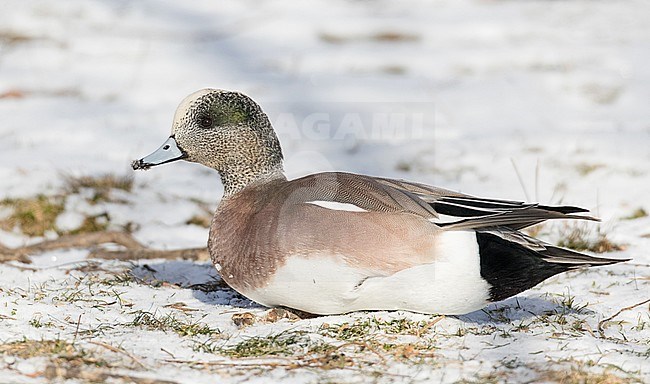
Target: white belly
326,284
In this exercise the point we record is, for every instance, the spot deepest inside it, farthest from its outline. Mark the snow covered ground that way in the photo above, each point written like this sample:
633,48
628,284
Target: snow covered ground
534,100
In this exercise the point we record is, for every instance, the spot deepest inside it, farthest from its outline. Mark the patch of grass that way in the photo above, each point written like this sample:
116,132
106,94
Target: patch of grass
121,278
169,322
479,331
71,295
347,331
282,344
394,36
200,220
404,166
302,350
380,37
580,238
101,185
637,214
34,216
402,326
488,378
584,168
13,37
497,314
90,224
642,324
393,69
203,218
58,351
37,322
411,352
522,326
352,347
296,344
574,372
568,303
27,348
567,319
581,375
38,291
363,328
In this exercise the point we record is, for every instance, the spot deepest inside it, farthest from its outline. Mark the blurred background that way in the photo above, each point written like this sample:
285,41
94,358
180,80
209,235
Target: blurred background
525,100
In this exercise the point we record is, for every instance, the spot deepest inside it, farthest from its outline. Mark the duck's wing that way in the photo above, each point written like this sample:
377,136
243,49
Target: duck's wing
475,212
445,208
358,192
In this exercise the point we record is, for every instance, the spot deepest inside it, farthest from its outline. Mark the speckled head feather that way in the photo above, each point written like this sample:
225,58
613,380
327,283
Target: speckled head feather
229,132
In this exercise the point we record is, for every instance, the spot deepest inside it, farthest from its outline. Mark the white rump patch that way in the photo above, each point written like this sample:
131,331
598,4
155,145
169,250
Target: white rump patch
336,206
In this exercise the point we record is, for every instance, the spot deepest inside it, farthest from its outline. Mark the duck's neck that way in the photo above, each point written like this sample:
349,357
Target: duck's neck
238,178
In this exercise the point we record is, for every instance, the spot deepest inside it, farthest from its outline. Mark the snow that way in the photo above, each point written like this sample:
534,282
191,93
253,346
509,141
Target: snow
555,91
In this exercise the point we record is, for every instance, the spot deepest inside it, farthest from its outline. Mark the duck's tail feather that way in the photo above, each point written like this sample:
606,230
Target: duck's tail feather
511,266
574,259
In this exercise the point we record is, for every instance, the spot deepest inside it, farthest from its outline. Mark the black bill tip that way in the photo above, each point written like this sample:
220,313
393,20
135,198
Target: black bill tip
140,165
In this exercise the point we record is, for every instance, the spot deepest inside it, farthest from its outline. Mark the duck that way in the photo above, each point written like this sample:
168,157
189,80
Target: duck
335,242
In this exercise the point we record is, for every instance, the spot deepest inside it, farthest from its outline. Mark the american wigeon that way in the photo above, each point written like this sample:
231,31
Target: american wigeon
336,242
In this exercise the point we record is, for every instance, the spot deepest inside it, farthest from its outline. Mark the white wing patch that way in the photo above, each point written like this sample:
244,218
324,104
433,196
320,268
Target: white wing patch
336,206
443,219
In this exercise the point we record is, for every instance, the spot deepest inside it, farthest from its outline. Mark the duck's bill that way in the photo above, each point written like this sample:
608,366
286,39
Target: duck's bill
167,153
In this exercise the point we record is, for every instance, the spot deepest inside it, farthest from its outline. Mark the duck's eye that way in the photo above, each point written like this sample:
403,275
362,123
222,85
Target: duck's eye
205,121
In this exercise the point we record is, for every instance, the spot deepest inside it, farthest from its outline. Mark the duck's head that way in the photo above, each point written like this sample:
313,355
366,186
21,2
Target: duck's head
223,130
